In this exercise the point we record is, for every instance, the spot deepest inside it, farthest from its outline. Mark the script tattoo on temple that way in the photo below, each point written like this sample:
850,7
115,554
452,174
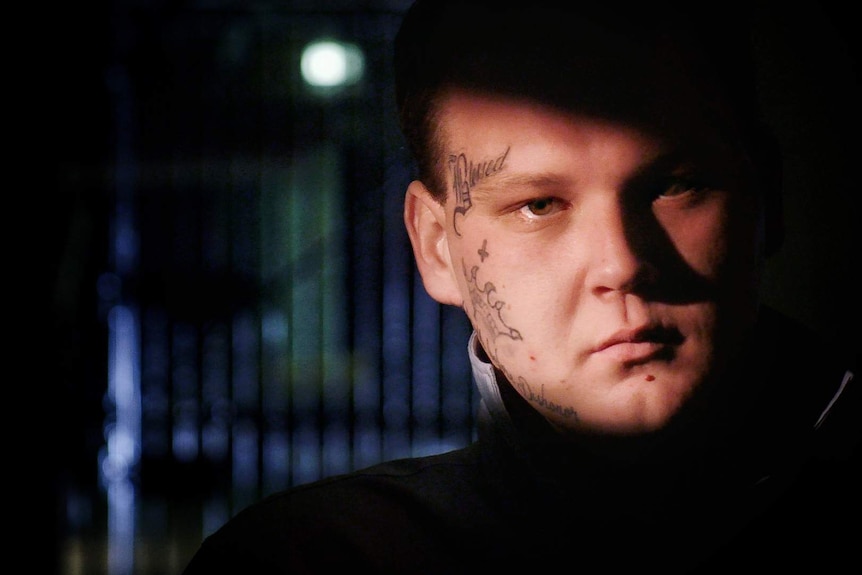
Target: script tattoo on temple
465,175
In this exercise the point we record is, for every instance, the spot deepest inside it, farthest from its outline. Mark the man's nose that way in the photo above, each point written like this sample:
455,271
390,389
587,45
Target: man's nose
618,253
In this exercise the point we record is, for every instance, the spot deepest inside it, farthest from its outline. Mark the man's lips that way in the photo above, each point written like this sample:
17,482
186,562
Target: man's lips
639,345
632,352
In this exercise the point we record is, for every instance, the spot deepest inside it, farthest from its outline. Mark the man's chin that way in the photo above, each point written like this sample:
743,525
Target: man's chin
631,431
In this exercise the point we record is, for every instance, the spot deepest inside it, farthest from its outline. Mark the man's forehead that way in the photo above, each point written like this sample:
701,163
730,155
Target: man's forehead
481,125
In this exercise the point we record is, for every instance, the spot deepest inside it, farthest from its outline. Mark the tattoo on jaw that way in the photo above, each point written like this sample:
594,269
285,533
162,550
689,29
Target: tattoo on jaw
487,311
465,175
526,391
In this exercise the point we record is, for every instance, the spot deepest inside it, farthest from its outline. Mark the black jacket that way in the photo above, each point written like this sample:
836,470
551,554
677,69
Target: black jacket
768,481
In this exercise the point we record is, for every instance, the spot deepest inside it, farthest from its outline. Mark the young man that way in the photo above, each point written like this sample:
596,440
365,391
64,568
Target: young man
596,190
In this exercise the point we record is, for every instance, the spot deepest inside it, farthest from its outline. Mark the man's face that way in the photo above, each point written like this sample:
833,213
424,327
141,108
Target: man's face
606,272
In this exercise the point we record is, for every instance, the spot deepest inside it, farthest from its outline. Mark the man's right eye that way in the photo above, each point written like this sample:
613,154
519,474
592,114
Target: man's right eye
541,207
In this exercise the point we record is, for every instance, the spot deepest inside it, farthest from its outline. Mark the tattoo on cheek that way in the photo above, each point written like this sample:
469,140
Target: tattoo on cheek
487,308
483,251
465,175
487,313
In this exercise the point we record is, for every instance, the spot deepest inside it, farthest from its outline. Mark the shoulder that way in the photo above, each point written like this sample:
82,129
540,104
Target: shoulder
392,483
800,363
814,393
388,487
378,516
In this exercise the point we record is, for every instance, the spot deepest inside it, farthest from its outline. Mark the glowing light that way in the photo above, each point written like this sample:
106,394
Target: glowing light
327,63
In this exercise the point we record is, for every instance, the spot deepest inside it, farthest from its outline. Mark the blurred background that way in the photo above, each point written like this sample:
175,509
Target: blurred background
233,305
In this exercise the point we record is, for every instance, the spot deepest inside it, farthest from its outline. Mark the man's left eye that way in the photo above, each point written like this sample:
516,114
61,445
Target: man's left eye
678,188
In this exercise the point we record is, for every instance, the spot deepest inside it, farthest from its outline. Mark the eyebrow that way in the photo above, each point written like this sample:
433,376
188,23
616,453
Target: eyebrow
547,182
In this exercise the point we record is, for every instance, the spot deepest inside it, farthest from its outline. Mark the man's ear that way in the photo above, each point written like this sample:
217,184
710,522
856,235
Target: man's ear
425,219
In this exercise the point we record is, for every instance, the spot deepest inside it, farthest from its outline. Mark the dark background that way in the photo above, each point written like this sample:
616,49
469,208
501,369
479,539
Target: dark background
173,122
